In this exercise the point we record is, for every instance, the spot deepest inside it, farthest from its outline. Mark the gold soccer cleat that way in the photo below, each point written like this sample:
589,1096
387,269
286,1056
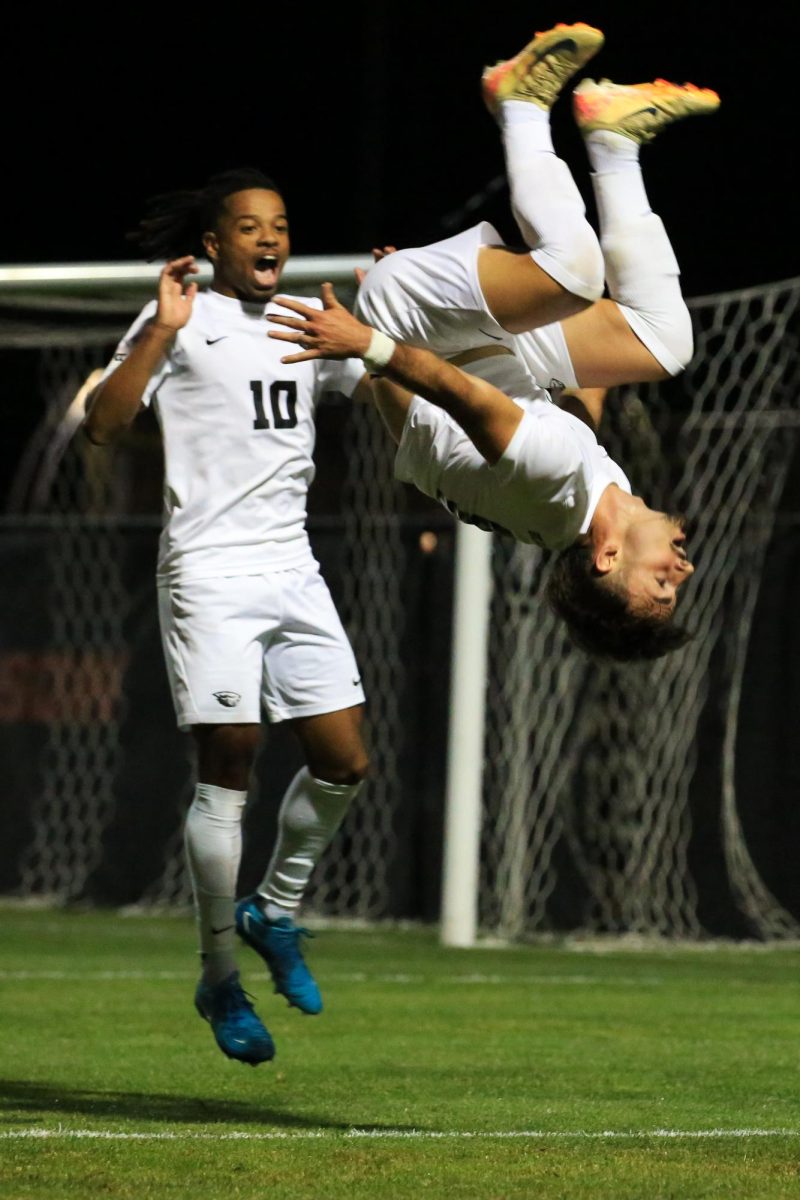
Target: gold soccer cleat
638,110
539,72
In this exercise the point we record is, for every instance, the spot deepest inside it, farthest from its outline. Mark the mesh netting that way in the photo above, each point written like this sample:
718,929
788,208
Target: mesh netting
86,495
86,651
591,771
590,767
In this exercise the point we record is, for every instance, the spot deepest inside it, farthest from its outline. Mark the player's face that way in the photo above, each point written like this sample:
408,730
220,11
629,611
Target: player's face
250,245
655,563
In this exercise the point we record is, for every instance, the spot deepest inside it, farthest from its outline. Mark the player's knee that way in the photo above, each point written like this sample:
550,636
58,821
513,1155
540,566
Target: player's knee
680,338
667,333
577,266
644,280
344,769
226,753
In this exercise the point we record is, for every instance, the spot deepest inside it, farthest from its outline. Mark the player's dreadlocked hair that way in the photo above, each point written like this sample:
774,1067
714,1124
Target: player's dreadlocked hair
598,617
176,221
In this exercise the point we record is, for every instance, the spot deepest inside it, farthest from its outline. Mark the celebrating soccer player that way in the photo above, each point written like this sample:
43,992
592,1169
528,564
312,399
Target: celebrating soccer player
246,618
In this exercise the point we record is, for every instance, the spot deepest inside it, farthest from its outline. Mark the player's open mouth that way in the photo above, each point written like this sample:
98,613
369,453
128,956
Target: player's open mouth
266,271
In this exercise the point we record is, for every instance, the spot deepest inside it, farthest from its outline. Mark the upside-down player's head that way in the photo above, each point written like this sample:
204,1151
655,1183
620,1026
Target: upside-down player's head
618,598
237,220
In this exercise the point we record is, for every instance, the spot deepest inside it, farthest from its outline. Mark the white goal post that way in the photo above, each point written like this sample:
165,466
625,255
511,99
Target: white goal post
110,277
466,736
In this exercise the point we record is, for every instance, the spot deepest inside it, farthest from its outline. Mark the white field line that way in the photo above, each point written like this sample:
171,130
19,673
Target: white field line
347,977
422,1135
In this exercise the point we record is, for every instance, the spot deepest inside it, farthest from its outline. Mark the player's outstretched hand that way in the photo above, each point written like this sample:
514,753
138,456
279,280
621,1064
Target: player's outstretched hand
332,332
175,297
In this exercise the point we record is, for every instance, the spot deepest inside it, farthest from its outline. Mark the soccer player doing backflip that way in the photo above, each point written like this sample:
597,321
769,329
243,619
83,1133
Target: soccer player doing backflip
478,431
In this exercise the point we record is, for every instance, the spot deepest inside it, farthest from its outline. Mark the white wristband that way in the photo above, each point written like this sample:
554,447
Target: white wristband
378,352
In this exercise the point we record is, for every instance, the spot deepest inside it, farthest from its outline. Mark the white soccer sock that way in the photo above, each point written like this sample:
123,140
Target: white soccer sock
610,151
641,270
546,202
213,840
311,812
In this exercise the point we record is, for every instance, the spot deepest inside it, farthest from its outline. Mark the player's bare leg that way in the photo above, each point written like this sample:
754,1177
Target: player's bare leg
311,812
226,753
333,745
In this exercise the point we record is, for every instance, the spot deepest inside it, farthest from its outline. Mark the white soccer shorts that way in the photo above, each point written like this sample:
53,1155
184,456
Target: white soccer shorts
237,643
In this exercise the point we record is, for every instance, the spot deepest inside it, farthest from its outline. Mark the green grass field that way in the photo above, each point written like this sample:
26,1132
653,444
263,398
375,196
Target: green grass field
498,1072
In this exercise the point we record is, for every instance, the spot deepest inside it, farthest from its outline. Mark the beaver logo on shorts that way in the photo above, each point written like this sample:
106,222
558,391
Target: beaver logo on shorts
228,699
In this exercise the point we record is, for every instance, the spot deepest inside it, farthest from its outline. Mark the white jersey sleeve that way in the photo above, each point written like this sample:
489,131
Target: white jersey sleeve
341,376
126,345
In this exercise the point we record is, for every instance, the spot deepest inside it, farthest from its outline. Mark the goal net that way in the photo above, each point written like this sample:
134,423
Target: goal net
594,772
612,795
107,778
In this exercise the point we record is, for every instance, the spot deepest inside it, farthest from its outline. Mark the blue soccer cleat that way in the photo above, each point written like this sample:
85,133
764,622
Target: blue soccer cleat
278,943
236,1027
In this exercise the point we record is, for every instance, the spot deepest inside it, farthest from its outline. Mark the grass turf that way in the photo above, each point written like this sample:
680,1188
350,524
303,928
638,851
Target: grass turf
491,1073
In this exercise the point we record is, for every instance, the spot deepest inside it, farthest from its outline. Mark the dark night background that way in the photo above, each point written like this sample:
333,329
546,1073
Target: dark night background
369,115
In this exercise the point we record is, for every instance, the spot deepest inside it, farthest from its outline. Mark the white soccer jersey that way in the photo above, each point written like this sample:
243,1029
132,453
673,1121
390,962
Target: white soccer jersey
238,429
543,490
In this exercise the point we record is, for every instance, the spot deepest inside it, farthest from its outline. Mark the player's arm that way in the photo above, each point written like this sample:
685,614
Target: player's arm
392,402
487,416
363,391
113,405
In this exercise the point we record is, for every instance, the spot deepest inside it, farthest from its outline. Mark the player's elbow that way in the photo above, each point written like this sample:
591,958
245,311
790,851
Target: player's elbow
99,432
102,424
93,428
97,437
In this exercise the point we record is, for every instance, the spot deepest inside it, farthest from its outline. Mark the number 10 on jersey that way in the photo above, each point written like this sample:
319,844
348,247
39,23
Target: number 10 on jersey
283,402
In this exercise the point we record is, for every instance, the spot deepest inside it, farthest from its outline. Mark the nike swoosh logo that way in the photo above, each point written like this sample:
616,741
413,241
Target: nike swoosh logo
356,682
213,341
224,929
493,336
